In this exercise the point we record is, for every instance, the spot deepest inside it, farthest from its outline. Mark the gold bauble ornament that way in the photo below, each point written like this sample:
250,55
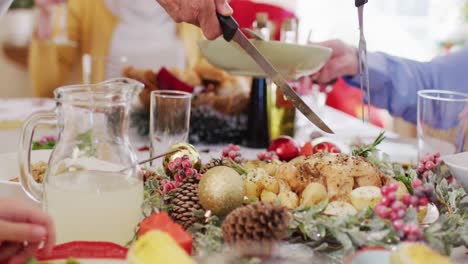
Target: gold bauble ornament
184,149
221,190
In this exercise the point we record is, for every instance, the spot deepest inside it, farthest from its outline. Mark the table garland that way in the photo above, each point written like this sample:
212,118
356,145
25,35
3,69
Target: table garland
337,237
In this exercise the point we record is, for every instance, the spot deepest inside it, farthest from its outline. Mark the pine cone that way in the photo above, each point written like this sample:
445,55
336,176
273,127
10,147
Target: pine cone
254,229
213,163
185,201
149,175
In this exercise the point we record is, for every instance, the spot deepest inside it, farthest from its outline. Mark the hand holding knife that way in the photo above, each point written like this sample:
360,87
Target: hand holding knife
231,31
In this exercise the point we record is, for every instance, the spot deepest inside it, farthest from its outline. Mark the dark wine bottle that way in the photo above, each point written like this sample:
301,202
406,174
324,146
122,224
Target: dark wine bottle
258,135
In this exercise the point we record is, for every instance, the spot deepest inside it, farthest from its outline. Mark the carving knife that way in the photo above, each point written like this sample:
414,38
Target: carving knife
231,31
363,66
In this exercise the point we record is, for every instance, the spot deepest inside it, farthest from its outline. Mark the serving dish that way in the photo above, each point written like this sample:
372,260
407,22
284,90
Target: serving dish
291,60
9,169
458,166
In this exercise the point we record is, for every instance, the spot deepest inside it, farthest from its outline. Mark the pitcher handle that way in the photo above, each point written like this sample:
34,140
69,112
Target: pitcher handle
29,185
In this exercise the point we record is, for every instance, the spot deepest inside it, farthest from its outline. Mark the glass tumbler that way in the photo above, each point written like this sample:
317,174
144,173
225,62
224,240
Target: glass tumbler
442,122
169,119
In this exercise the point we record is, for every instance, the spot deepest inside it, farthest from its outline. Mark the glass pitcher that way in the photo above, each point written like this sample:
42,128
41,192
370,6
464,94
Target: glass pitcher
92,188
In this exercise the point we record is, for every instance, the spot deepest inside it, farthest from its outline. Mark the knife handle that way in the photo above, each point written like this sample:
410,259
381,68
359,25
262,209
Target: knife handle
359,3
228,25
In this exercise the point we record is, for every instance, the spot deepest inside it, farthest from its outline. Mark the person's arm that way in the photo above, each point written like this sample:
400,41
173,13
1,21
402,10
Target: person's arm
394,81
51,64
201,13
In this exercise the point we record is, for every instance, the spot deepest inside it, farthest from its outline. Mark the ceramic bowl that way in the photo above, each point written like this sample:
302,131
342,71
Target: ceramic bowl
458,166
291,60
9,169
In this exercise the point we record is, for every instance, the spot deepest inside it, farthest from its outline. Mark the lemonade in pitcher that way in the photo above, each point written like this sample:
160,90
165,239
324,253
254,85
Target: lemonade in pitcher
93,186
94,206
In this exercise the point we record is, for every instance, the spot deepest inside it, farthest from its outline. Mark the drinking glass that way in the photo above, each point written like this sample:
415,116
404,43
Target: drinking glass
169,119
97,69
442,122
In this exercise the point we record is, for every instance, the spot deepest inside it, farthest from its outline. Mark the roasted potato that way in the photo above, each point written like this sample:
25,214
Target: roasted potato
313,194
366,196
271,167
288,199
252,189
270,184
268,197
339,208
289,173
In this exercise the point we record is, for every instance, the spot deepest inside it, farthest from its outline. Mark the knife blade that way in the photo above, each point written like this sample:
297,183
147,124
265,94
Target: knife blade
232,32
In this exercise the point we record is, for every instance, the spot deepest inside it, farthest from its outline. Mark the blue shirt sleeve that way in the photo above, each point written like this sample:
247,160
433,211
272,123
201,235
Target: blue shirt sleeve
394,81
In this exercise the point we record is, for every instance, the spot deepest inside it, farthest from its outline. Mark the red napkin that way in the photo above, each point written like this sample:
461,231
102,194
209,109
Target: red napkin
168,81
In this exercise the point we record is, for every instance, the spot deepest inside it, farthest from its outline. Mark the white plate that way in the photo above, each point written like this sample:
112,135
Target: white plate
291,60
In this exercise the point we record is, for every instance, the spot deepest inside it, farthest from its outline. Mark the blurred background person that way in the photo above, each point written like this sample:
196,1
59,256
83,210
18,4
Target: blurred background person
394,81
112,32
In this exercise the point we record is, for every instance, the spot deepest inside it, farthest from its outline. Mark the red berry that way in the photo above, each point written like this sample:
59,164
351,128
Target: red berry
414,201
430,158
178,177
421,168
398,224
391,196
185,157
171,166
393,187
261,156
385,201
236,148
382,211
199,176
416,183
423,201
385,190
407,199
437,154
401,213
393,216
430,165
232,154
450,179
225,152
426,174
186,164
397,205
189,172
406,229
177,162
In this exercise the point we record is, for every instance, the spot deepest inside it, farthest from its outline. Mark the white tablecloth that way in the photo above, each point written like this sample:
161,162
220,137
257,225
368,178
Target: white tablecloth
13,111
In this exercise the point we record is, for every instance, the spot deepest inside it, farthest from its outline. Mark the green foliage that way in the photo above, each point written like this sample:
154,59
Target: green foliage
366,150
22,4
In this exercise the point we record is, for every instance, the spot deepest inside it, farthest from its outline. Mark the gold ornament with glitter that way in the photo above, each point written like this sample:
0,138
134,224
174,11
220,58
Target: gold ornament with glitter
221,190
184,149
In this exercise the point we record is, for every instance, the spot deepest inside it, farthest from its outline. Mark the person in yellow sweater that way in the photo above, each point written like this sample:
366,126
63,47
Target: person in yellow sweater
107,30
